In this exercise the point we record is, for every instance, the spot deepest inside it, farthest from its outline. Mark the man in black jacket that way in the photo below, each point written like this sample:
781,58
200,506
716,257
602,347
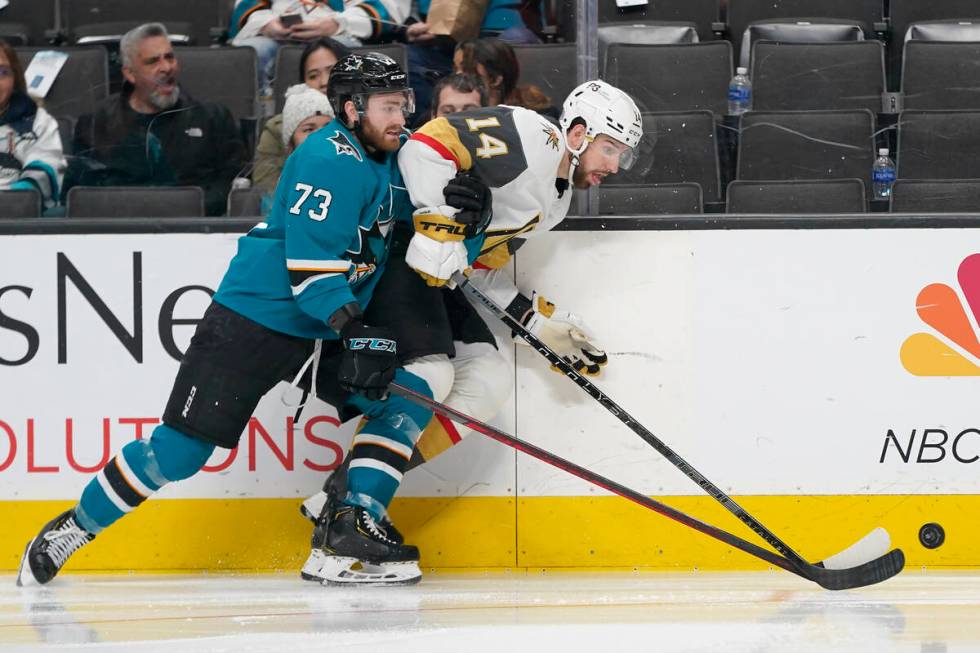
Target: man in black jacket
153,133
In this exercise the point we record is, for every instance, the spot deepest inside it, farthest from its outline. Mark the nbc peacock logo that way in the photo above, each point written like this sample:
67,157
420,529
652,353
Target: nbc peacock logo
953,350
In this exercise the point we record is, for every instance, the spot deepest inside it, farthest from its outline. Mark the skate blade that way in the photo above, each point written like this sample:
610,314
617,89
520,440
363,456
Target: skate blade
347,571
25,577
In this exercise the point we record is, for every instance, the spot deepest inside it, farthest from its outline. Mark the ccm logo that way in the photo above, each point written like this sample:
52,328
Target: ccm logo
374,344
454,229
190,400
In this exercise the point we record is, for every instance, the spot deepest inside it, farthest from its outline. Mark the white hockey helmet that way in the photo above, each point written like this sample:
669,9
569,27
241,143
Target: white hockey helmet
605,110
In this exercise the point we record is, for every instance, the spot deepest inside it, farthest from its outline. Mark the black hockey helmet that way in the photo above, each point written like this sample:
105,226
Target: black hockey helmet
357,76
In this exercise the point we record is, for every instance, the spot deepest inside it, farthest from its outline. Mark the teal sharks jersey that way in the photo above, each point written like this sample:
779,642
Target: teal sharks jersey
325,242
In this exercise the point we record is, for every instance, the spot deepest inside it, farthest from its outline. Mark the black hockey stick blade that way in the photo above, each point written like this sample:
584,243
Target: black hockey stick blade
606,402
834,579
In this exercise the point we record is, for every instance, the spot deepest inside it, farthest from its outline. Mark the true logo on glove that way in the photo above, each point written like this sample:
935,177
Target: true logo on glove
374,344
454,229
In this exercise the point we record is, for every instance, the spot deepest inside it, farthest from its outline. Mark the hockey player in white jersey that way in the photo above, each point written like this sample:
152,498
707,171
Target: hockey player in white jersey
528,165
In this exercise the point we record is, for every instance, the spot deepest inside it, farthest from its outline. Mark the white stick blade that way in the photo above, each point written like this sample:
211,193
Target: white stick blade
873,545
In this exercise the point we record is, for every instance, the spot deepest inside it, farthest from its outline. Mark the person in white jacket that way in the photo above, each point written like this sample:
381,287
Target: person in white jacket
265,24
31,156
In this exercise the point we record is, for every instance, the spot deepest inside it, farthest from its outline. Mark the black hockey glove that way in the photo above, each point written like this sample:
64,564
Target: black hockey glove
473,199
368,363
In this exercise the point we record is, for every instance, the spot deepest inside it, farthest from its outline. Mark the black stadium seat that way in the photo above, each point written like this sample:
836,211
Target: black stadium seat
672,77
685,150
30,18
101,21
702,13
940,76
135,202
797,197
789,30
20,204
806,145
650,199
245,202
223,75
939,145
550,67
742,13
936,196
904,13
807,76
82,83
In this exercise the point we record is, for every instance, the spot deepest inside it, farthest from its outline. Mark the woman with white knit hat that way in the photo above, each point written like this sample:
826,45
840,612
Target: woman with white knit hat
306,111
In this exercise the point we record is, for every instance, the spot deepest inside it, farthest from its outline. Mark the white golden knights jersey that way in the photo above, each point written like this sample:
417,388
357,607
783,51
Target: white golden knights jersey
515,152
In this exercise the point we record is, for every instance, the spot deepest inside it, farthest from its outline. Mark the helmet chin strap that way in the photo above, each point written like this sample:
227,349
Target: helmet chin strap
576,153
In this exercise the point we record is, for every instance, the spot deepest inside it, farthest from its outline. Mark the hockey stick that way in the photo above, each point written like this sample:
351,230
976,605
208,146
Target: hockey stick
868,573
871,547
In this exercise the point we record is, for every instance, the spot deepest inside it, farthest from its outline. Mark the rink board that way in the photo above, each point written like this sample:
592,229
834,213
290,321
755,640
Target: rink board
771,359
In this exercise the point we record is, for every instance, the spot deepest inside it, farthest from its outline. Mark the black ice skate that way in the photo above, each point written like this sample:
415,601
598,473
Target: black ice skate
47,553
351,548
325,501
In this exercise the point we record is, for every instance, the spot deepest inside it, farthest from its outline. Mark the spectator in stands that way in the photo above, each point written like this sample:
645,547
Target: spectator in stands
153,134
31,157
265,24
429,58
315,64
495,62
457,92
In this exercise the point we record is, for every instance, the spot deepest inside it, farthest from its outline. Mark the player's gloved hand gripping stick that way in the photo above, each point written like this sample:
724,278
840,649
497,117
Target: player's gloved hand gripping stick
867,561
565,333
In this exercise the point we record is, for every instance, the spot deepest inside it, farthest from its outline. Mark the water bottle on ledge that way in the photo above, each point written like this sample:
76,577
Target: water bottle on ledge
883,175
739,93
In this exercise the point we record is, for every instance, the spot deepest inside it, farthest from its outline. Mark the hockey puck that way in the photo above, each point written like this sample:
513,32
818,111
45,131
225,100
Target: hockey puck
932,535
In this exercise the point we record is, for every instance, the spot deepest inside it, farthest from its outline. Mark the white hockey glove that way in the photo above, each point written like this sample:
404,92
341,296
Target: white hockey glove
436,250
565,333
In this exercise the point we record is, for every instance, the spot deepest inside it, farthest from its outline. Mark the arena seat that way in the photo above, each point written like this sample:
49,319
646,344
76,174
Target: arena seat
684,150
936,196
223,75
105,21
797,197
82,84
135,202
939,145
742,13
28,20
20,204
245,202
808,76
698,79
650,199
806,145
937,76
703,14
551,67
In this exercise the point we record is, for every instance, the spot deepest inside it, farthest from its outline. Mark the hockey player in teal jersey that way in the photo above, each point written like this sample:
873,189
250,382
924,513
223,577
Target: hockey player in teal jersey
293,298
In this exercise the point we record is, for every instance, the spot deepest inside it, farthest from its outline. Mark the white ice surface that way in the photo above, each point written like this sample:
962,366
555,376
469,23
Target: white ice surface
935,612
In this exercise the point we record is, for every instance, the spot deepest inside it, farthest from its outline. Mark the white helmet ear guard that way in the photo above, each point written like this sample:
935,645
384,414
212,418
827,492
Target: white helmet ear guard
605,110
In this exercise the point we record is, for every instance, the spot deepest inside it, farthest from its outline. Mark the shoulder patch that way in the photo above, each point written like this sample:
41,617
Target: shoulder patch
343,145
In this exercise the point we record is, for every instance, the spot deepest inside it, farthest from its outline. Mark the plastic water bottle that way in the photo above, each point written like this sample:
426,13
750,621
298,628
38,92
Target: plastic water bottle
739,93
883,175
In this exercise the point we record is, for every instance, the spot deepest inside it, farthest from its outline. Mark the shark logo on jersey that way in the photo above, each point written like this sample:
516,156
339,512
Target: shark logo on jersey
344,146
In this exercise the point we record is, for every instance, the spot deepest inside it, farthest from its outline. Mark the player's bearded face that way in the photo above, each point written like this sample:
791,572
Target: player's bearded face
384,121
600,159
